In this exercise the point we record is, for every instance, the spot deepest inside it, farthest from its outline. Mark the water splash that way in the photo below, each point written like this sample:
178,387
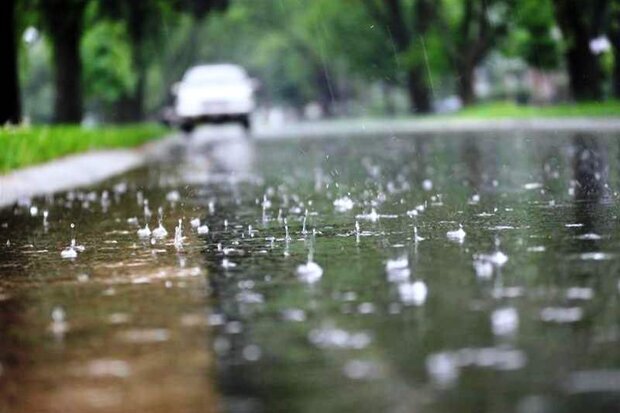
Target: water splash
59,325
444,367
483,268
203,229
286,234
226,264
303,226
266,204
160,232
147,211
397,263
457,235
561,315
329,337
496,259
416,237
373,216
344,204
71,252
505,321
310,272
427,185
414,293
178,235
173,196
144,232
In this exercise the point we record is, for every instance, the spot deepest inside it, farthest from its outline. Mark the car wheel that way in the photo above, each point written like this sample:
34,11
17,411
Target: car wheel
246,123
187,127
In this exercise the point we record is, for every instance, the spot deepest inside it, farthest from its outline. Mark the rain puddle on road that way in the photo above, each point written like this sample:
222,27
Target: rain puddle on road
435,274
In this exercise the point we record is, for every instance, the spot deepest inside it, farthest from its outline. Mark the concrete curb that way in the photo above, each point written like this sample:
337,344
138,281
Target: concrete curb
407,127
76,170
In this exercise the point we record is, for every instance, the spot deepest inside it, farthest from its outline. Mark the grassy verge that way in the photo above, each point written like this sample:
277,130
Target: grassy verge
497,110
23,146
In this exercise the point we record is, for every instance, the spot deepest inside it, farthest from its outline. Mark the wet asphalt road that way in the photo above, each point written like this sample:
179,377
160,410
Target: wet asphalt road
399,312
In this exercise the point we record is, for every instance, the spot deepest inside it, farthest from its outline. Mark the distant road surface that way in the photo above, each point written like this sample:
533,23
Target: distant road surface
360,127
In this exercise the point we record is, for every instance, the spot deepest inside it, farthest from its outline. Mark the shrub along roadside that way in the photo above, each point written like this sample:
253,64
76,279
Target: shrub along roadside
29,145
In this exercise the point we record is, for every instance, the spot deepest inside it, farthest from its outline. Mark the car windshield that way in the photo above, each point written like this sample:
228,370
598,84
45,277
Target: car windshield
214,75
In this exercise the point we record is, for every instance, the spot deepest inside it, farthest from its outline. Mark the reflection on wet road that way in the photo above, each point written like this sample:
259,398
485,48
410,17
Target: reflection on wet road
428,273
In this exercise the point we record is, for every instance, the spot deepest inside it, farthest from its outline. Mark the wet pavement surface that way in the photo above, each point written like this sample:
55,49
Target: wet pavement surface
473,273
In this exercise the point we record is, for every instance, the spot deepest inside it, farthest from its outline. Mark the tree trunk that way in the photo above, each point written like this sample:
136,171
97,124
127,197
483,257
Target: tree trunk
616,74
134,103
614,37
584,68
326,91
10,108
130,108
65,28
466,84
126,109
584,71
419,94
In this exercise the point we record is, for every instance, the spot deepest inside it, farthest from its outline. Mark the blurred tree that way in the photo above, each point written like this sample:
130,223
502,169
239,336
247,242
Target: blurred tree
281,44
408,23
614,37
295,30
580,22
108,70
10,107
63,20
533,36
472,28
200,8
339,26
144,20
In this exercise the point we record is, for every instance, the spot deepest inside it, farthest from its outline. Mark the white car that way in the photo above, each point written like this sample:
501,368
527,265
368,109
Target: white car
214,94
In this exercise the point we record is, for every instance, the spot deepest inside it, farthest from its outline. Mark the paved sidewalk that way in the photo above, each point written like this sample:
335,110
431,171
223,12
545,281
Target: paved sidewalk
75,171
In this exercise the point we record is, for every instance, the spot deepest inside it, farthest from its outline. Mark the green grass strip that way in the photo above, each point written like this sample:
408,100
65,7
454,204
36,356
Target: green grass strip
29,145
496,110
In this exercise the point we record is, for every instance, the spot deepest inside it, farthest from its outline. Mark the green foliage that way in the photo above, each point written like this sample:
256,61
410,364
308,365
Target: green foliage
350,34
108,70
23,146
534,35
289,45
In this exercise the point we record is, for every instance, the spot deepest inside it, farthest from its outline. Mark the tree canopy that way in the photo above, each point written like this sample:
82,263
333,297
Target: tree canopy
117,59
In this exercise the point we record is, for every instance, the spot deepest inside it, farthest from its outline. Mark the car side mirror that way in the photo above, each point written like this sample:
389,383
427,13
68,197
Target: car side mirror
174,89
